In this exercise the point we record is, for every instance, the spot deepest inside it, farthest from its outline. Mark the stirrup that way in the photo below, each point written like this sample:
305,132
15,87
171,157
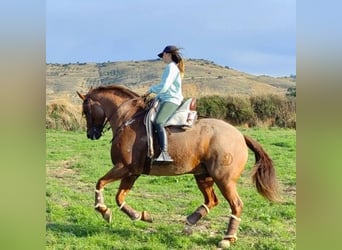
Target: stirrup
164,156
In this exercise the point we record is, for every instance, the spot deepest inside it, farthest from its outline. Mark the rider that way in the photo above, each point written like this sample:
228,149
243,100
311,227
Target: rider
169,94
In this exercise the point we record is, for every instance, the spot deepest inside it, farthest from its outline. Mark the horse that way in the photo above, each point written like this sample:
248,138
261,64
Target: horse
212,150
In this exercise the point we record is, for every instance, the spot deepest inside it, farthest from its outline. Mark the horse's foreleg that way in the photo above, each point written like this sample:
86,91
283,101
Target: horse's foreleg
114,174
125,186
205,184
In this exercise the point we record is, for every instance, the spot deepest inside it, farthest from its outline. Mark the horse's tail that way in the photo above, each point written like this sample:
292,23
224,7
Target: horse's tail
263,173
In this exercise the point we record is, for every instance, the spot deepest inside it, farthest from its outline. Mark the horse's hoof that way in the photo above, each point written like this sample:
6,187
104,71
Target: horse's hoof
193,218
224,244
108,215
145,216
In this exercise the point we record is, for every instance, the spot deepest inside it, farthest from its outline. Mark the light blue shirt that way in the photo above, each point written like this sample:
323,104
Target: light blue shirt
170,87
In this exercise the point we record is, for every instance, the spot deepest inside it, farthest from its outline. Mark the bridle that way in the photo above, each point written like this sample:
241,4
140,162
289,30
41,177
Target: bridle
89,114
122,125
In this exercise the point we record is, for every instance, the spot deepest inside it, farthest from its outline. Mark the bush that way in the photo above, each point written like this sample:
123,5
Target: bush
291,91
267,110
212,106
266,106
239,111
277,110
64,116
286,117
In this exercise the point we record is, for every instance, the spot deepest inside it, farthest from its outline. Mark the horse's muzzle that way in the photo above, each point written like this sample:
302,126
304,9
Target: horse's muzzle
94,133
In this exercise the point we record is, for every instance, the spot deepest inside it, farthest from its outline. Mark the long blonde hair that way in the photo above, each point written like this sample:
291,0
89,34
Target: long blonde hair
181,68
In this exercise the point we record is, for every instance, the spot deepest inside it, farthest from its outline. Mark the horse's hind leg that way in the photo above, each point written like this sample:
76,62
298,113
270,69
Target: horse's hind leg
125,186
229,192
205,184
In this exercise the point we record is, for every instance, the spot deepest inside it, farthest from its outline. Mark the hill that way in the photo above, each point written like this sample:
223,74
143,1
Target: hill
202,77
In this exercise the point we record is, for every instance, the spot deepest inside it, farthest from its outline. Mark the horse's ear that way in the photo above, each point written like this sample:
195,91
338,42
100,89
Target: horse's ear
80,95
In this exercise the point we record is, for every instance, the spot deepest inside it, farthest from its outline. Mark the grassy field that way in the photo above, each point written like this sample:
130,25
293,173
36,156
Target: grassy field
74,164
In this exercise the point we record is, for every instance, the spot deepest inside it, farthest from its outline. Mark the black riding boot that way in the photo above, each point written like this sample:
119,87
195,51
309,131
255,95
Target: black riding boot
164,155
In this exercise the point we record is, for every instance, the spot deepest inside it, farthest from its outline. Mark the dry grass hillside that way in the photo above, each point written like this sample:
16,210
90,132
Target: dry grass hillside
202,78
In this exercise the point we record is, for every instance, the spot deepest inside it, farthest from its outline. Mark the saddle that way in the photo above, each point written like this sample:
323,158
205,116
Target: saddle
184,117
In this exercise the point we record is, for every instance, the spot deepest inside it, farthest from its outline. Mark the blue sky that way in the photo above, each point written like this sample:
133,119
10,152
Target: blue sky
256,37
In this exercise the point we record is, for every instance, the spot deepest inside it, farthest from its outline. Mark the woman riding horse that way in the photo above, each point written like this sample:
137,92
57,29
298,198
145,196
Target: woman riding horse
212,150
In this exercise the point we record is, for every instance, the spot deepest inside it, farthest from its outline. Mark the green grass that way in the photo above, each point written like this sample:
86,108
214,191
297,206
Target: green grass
74,164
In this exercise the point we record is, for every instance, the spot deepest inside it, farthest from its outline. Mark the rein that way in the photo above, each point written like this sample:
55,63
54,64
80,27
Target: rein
127,123
105,123
124,124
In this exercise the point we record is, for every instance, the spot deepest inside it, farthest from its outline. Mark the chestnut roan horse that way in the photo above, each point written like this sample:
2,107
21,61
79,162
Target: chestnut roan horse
212,150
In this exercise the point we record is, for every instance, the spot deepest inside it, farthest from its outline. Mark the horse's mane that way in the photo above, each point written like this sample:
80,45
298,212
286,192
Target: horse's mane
132,106
117,88
127,108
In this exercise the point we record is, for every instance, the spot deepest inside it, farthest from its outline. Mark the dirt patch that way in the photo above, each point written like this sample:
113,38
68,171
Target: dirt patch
290,191
62,170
